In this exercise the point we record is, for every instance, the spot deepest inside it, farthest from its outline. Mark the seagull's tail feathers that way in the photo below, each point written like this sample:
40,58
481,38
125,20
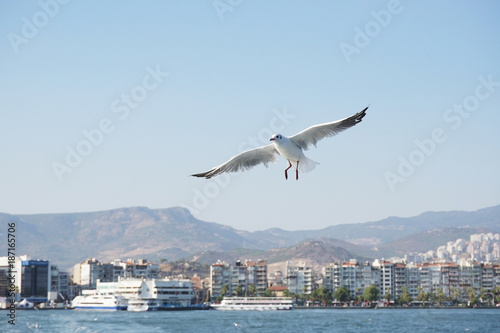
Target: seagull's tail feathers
306,164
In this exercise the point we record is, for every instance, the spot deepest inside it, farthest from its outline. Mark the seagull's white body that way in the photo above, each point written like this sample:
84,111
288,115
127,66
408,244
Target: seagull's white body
292,149
293,153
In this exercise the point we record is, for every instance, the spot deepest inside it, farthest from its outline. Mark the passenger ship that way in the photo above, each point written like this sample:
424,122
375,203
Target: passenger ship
99,302
254,303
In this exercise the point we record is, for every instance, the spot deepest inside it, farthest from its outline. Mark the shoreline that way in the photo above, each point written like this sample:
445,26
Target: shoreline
296,308
393,307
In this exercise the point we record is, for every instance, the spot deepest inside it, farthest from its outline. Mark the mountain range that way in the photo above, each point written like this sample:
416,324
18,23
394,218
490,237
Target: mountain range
174,233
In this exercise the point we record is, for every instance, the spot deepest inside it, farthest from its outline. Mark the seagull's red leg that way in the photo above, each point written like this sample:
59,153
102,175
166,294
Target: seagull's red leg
297,171
289,166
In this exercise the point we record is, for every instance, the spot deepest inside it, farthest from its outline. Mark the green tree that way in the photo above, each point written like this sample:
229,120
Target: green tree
454,294
496,294
359,295
252,290
405,297
322,294
342,294
287,293
471,293
472,296
422,295
224,290
268,293
371,294
440,298
239,291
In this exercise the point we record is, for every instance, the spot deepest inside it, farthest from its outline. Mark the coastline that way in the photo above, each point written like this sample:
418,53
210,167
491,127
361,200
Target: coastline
393,308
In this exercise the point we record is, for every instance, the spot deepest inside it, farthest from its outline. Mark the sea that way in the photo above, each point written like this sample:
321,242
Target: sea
298,320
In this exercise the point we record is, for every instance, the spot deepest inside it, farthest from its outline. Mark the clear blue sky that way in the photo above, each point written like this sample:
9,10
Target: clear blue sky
149,92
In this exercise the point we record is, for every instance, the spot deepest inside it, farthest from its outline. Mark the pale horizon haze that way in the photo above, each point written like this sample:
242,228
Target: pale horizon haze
115,104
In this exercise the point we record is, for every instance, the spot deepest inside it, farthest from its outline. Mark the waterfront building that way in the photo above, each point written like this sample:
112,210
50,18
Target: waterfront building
261,276
35,280
6,272
167,292
86,273
400,280
412,280
238,280
220,276
299,278
351,275
278,291
59,283
470,277
386,274
487,281
242,276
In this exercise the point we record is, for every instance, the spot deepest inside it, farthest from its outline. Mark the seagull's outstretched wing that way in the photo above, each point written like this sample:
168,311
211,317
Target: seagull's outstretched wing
243,161
313,134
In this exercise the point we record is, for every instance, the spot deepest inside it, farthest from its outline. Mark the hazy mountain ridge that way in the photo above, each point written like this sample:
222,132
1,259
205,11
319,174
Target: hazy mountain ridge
173,233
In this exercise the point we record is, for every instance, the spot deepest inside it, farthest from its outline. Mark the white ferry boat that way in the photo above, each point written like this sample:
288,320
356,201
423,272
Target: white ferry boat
254,303
141,305
99,302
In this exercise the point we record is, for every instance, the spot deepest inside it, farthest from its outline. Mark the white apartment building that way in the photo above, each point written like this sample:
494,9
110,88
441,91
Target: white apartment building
241,276
387,277
299,278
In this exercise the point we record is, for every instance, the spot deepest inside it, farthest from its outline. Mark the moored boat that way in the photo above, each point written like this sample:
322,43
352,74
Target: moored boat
254,303
141,305
99,302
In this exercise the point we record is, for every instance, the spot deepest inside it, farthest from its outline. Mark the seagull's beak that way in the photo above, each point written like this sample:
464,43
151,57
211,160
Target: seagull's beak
272,139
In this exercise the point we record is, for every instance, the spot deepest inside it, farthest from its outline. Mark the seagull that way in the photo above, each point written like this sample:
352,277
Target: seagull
291,148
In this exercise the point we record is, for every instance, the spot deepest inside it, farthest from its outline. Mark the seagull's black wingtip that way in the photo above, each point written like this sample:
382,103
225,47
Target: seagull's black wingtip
202,175
360,115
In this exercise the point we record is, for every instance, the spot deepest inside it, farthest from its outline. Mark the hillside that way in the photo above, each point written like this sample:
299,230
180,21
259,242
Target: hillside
173,233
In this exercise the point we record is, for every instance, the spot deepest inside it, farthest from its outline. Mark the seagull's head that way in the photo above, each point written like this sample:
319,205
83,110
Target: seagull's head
276,137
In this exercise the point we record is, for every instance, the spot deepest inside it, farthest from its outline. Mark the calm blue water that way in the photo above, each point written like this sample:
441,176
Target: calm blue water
345,320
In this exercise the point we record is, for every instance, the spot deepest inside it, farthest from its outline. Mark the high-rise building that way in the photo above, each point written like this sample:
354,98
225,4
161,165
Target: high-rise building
299,278
35,280
245,278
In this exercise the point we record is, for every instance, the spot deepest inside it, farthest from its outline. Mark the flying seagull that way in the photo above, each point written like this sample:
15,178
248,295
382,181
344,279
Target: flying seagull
291,148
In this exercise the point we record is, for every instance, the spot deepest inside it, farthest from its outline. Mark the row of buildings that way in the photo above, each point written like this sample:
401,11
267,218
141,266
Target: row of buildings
40,282
88,272
453,280
450,279
34,279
